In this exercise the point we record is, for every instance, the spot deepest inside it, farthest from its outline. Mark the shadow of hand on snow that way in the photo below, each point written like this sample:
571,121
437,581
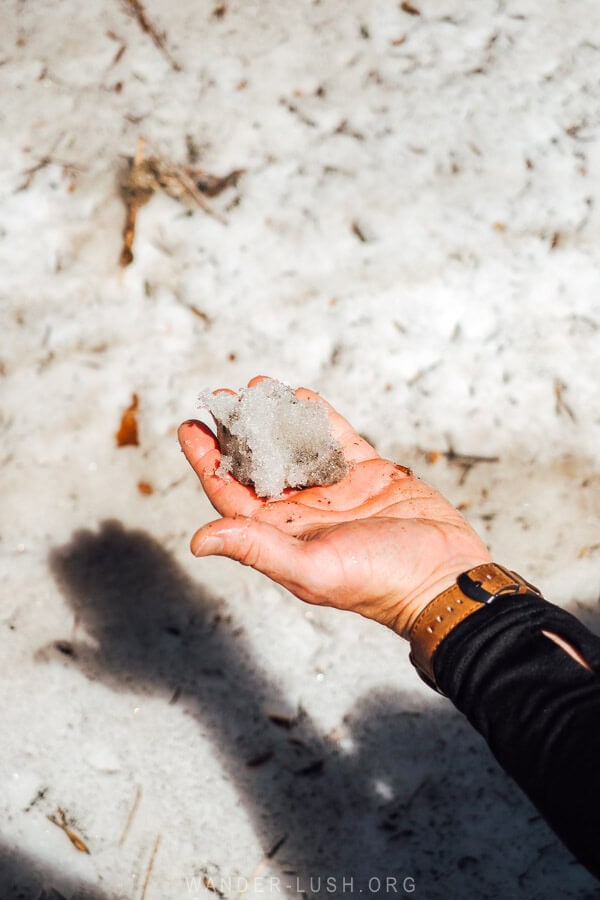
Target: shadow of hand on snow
417,795
22,877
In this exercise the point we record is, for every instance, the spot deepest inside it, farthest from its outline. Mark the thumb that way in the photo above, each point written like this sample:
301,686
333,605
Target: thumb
257,544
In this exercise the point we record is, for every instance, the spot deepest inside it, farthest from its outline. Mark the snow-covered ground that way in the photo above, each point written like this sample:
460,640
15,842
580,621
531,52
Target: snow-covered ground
416,236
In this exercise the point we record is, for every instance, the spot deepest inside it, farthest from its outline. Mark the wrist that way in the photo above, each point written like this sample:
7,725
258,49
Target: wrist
474,590
438,581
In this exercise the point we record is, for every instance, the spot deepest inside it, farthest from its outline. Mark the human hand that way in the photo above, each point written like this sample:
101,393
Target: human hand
380,542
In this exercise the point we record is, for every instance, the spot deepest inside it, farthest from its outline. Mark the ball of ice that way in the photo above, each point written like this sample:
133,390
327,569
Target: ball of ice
272,440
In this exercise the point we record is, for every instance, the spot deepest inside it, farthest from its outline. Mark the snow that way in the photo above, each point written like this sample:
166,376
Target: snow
271,439
415,237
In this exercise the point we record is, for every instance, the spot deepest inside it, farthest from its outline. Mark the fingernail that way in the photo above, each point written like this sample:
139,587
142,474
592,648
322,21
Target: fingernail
211,544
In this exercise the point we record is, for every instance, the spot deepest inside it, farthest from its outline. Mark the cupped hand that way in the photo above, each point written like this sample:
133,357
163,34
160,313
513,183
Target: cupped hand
381,542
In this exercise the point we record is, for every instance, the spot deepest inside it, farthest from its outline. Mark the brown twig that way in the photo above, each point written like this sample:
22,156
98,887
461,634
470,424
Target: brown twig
147,175
410,9
60,820
131,816
122,48
561,405
211,886
150,867
467,459
269,855
590,548
32,172
359,233
178,173
148,28
39,796
42,163
464,461
132,204
126,257
213,185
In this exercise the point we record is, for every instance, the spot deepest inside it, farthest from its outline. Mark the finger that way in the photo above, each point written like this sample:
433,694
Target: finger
355,448
222,391
196,441
264,547
201,449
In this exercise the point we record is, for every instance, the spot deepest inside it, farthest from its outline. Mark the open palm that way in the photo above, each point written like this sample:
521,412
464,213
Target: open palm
380,542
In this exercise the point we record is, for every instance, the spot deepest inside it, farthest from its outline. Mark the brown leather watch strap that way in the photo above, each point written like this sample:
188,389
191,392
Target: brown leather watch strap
453,605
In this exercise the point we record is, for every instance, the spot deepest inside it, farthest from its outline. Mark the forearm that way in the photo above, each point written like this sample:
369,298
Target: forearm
537,708
384,544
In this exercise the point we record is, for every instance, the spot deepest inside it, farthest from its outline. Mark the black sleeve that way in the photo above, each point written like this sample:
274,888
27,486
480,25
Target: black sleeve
537,708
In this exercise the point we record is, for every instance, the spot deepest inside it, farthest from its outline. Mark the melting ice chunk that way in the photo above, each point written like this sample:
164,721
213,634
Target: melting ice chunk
272,440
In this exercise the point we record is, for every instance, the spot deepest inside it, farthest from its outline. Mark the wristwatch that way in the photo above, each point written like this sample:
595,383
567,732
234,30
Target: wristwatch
473,589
